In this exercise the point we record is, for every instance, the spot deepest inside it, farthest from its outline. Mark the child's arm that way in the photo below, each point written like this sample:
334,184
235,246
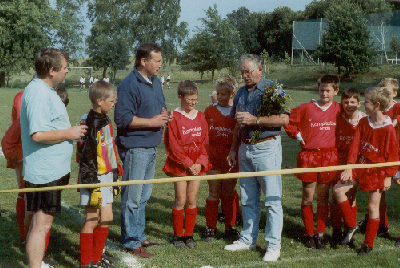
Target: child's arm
202,160
88,161
387,183
347,175
292,129
234,148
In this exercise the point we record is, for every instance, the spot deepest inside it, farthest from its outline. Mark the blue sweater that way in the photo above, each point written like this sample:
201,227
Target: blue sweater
137,97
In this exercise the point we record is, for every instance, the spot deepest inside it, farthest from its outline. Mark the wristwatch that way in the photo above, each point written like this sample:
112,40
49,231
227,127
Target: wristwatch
258,120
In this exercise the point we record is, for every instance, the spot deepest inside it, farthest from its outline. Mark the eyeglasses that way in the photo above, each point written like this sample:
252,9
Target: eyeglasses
246,72
192,100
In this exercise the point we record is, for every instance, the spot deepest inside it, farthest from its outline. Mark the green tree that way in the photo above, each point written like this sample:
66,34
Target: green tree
246,23
69,33
395,45
346,42
215,45
25,28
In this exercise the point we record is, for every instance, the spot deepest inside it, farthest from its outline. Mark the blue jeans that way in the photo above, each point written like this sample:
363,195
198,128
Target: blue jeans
138,164
262,156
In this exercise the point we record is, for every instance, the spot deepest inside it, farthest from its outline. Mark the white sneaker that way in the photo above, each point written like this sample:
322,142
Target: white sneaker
272,254
239,245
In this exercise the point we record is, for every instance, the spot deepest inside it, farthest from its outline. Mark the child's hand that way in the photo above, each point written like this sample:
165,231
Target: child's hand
195,169
347,175
231,158
397,181
394,122
387,183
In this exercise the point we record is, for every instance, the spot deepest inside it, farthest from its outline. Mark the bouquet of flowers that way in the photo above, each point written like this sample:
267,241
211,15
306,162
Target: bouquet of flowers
274,102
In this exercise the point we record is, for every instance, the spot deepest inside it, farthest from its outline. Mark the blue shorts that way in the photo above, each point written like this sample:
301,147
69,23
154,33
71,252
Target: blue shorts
106,192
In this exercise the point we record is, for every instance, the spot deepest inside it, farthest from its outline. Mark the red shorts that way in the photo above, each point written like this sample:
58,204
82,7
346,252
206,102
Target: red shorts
369,179
317,158
217,155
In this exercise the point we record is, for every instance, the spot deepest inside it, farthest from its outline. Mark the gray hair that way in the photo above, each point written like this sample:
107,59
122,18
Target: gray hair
256,59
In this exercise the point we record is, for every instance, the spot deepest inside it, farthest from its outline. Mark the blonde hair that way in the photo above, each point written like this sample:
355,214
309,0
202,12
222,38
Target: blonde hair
101,90
389,82
379,94
227,82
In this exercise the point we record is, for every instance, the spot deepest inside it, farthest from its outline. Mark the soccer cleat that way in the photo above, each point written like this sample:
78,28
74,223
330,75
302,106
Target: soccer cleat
107,257
320,241
239,245
90,265
221,217
189,242
383,231
350,234
102,264
309,241
179,242
231,234
364,250
209,234
47,263
337,237
272,254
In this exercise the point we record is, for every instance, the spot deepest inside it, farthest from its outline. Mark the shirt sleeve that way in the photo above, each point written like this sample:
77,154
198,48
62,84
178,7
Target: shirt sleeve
38,114
392,153
292,128
126,108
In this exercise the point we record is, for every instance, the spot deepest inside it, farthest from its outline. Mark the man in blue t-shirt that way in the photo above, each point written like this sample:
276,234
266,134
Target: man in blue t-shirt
140,115
47,136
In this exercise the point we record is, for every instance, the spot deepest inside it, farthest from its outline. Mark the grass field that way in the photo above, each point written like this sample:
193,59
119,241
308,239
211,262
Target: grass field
64,247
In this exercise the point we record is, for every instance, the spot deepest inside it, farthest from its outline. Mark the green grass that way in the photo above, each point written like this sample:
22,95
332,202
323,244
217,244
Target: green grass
65,247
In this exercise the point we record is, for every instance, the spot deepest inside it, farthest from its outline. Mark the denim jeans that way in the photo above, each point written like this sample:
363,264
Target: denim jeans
138,164
262,156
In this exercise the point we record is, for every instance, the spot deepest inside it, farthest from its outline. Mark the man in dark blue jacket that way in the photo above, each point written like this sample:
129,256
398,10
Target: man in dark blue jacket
140,120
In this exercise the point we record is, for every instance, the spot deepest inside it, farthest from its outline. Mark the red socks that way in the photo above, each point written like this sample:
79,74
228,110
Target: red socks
99,240
371,231
190,220
236,196
322,216
86,244
177,221
211,212
92,245
383,212
47,241
347,212
20,208
308,219
228,205
335,216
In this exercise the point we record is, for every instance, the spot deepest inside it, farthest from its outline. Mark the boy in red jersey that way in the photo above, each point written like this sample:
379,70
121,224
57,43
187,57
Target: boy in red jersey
98,164
186,142
374,142
221,127
313,125
347,122
393,111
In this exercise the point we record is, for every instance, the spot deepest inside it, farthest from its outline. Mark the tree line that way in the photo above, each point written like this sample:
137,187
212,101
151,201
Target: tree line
118,26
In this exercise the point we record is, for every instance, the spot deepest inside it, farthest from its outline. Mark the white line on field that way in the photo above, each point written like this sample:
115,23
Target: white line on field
126,258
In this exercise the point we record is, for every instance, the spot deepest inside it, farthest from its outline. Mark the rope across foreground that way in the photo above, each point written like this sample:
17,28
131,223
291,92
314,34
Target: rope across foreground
205,177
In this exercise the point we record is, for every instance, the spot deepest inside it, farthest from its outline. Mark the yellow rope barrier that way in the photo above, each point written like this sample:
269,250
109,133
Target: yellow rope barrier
206,177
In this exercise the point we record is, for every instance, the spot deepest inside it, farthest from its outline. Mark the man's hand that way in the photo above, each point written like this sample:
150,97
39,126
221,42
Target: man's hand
347,175
95,198
387,183
160,120
77,132
245,118
231,158
195,169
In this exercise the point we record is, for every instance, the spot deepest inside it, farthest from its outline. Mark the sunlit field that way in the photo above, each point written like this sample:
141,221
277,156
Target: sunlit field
64,246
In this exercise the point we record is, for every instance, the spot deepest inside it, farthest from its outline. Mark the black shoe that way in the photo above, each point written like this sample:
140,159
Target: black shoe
231,234
221,217
89,265
106,256
179,242
397,244
102,264
350,234
337,237
309,241
320,241
364,250
209,234
49,263
383,231
189,242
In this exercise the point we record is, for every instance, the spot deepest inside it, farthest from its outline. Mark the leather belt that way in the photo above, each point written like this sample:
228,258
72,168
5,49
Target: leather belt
247,141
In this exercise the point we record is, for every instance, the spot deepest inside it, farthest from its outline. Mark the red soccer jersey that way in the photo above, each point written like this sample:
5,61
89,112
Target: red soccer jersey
186,142
376,144
16,109
221,125
394,113
344,135
315,124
